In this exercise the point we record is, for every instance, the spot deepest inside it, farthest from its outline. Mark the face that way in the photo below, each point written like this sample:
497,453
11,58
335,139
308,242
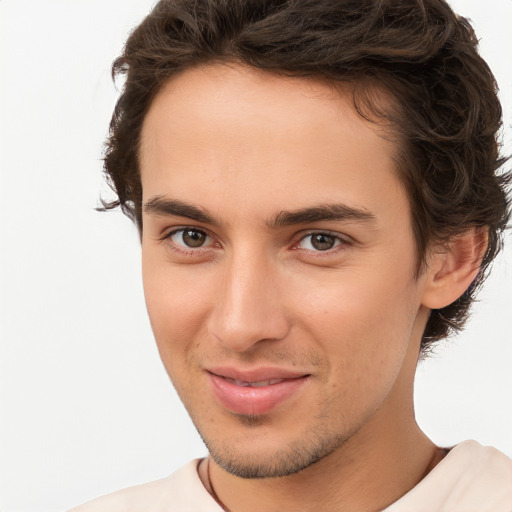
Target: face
278,264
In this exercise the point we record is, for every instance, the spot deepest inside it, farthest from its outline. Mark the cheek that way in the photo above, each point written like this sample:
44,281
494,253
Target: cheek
354,302
176,306
362,323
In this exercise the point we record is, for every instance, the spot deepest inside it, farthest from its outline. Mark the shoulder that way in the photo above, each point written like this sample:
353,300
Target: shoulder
481,470
471,478
182,490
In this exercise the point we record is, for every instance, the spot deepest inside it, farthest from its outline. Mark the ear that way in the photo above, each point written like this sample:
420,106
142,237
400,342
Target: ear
453,267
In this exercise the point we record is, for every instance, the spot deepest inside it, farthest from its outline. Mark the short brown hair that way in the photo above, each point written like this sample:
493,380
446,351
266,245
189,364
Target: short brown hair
419,52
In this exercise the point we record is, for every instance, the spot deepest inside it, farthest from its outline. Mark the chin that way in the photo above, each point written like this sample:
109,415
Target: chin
259,457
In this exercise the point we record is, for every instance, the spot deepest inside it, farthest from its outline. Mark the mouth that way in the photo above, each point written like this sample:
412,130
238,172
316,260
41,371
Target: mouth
255,392
257,384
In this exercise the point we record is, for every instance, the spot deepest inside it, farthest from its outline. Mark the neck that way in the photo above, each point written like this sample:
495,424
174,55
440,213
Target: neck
357,477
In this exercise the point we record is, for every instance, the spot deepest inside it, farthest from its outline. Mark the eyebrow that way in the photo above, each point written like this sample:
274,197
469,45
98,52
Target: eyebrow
159,205
321,213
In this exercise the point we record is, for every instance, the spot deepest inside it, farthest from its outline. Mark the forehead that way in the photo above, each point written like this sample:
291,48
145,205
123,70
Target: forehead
249,135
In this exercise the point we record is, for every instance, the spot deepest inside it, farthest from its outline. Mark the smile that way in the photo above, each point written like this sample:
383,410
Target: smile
257,384
257,392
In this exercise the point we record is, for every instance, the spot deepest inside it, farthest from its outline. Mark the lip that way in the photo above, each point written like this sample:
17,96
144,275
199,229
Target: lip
232,388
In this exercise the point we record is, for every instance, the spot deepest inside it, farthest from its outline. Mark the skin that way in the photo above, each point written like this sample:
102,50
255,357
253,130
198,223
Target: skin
243,146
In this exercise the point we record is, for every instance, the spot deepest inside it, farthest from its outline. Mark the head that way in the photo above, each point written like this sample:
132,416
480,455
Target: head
229,103
410,65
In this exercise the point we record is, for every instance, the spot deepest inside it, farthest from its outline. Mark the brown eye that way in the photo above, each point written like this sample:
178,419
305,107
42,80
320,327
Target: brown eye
319,242
322,242
190,238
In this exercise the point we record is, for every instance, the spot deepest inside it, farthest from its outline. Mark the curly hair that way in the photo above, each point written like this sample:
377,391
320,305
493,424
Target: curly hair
423,56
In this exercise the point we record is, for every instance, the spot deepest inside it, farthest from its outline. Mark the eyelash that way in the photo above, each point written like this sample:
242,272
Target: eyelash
182,249
341,243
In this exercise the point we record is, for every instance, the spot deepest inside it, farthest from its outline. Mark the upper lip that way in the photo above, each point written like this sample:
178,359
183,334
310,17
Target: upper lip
255,374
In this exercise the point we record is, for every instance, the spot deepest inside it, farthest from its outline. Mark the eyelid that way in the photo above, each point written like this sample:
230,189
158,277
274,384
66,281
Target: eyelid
344,241
167,235
172,230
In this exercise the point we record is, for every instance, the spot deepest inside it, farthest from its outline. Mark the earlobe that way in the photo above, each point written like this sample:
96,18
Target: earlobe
453,267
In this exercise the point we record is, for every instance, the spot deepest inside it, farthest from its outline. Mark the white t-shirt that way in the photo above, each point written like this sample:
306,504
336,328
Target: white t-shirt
471,478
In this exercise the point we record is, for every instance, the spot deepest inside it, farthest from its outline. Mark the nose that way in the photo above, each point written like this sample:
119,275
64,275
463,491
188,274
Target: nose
248,308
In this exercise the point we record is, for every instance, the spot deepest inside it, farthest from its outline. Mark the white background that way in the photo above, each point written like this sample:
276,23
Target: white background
85,405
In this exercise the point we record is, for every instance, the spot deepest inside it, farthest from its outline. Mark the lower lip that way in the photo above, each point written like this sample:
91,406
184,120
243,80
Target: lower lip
254,401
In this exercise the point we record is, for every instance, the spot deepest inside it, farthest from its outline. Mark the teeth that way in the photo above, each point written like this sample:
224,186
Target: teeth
257,384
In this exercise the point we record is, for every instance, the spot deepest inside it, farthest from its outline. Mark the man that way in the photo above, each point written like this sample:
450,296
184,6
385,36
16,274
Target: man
317,192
